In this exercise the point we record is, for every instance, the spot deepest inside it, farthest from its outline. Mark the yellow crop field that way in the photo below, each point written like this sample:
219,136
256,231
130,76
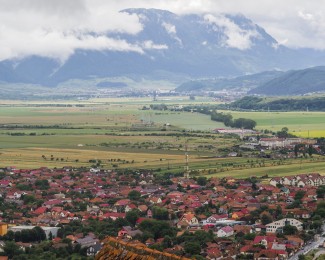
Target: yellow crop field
52,157
311,133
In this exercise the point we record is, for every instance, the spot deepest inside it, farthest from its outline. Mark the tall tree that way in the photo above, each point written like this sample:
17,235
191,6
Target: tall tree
134,195
266,218
202,181
132,217
296,150
320,191
310,150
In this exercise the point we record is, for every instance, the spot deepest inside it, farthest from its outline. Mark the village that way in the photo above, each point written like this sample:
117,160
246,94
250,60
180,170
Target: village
216,218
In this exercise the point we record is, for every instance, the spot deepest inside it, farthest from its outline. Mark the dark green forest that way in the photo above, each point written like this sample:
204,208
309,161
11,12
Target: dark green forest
282,104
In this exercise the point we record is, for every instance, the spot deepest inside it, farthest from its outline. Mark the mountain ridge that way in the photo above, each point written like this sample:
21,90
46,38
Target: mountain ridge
294,82
242,82
219,45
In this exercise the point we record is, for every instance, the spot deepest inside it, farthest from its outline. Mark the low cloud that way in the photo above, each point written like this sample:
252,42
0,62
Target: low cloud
236,37
58,45
150,45
57,28
171,30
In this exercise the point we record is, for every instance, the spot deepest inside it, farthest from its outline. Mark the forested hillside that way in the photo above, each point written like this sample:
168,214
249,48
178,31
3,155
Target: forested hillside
282,104
294,83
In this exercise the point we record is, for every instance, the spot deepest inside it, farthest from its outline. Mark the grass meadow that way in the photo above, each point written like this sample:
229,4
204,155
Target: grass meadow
302,124
292,168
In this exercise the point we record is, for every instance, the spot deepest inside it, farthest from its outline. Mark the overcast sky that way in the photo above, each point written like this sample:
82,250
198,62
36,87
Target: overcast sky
56,28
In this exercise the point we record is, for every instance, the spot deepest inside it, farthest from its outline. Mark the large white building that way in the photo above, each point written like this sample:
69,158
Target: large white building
284,142
272,142
277,226
47,230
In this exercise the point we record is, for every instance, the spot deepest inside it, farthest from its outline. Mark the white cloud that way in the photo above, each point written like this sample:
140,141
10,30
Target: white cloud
171,30
56,44
56,28
281,19
149,45
236,37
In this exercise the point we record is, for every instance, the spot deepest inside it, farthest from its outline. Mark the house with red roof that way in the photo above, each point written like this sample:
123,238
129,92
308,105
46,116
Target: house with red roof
122,202
226,231
50,203
264,240
187,219
214,218
129,232
266,254
213,253
130,207
113,215
39,211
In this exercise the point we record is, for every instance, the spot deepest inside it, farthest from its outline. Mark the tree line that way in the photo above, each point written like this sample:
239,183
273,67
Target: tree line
35,234
227,119
282,104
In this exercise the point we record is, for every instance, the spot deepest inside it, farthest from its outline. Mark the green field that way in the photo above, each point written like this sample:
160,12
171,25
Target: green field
292,168
120,134
303,124
102,116
100,129
110,113
172,100
190,121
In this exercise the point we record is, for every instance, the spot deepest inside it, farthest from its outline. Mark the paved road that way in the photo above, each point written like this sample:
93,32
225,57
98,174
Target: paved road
309,247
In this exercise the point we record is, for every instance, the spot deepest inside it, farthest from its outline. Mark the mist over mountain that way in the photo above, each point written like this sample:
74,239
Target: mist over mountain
196,46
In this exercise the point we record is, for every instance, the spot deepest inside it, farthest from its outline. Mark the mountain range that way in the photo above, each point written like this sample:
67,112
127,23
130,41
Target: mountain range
296,82
269,83
186,46
240,83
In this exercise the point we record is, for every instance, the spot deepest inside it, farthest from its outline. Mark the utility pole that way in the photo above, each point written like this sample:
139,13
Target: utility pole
186,168
155,95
